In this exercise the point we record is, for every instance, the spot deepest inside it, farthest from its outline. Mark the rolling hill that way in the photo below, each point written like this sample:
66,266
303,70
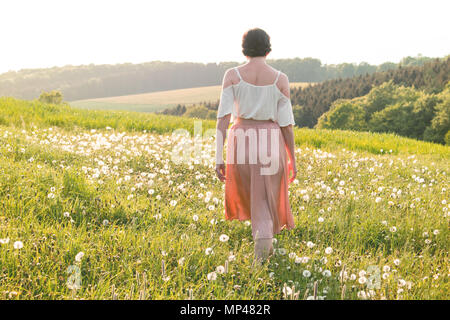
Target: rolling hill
157,101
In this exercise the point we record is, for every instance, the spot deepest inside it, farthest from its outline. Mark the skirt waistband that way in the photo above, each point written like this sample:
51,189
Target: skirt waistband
242,121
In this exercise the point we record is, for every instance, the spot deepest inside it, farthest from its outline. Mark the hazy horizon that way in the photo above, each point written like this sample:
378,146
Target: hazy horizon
53,33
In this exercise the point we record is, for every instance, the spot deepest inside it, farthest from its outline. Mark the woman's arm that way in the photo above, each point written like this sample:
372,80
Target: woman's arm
288,134
288,131
221,131
221,135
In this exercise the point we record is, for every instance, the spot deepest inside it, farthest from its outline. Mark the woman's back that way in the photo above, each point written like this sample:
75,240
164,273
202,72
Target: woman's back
257,75
254,94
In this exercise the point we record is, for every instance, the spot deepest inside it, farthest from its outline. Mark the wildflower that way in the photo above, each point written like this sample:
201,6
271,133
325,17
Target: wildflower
212,276
397,262
287,291
208,251
310,244
220,269
224,238
105,222
195,217
4,241
18,245
328,250
79,256
66,214
327,273
306,273
362,280
181,261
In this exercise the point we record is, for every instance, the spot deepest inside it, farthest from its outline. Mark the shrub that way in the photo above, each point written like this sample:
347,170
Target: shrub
344,115
53,97
197,112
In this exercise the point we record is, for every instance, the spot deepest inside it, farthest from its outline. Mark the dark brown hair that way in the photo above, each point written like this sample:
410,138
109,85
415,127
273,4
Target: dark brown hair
256,43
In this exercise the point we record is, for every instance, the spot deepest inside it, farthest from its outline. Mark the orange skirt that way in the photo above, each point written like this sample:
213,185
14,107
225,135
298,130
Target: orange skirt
257,177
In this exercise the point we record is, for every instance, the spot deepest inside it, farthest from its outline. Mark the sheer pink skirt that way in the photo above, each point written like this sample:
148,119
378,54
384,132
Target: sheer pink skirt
257,173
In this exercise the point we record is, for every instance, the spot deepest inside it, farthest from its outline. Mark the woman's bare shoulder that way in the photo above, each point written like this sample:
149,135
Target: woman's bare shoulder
283,84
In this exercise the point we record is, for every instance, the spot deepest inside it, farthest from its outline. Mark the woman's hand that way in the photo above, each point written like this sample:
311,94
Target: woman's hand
220,171
293,169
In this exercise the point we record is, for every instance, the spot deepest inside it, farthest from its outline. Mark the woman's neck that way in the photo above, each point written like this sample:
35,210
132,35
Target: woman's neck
256,60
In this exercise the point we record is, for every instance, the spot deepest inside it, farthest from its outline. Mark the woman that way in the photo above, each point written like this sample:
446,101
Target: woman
257,99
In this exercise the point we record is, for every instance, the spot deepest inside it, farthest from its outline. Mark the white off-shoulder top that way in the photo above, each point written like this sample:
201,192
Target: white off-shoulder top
248,101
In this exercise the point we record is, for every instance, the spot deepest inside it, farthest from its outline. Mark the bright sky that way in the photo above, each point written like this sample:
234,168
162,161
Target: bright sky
48,33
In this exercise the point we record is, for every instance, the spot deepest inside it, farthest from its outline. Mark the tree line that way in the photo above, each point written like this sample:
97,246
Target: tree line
96,81
313,101
411,101
393,108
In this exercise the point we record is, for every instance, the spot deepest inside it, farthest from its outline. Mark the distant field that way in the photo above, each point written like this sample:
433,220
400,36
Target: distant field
155,101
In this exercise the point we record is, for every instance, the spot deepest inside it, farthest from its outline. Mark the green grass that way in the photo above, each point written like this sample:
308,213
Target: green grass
22,113
102,178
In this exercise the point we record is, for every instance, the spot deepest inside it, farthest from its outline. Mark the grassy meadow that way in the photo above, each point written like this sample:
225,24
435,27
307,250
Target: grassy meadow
93,207
159,100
